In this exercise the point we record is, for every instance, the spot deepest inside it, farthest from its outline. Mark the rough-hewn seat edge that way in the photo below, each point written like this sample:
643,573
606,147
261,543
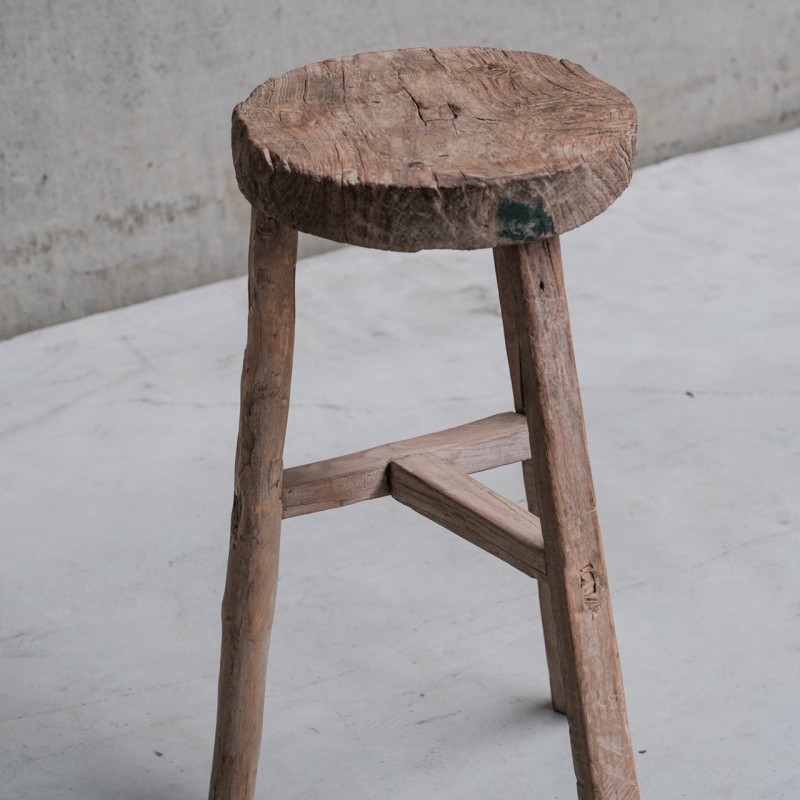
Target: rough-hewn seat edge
464,216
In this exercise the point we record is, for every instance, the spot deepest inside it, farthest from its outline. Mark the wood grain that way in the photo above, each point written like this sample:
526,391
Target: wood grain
446,495
462,147
476,446
508,309
564,492
433,148
249,601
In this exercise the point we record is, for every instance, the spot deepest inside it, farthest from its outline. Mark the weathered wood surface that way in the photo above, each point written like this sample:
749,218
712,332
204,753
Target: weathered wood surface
466,507
425,148
564,492
476,446
508,306
249,601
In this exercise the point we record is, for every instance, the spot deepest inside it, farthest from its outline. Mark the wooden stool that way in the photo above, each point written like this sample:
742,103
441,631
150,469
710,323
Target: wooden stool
403,150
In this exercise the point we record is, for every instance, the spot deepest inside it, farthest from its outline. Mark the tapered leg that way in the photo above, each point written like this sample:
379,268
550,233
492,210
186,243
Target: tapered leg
249,601
552,648
551,642
533,292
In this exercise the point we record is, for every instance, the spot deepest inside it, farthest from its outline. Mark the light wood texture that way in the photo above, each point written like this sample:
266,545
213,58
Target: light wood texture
476,446
423,148
552,649
576,573
249,600
508,305
433,148
461,504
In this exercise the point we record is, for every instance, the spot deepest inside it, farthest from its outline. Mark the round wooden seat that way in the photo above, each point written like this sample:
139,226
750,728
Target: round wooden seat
445,148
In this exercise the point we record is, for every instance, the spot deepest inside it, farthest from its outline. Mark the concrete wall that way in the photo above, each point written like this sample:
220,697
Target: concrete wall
115,176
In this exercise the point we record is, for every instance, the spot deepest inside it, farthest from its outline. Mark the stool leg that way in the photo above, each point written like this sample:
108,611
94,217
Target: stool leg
551,645
249,601
533,293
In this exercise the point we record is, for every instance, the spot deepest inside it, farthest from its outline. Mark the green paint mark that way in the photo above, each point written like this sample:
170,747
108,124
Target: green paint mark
521,222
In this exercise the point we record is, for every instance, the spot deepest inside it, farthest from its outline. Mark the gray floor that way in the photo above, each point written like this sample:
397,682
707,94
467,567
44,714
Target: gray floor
405,663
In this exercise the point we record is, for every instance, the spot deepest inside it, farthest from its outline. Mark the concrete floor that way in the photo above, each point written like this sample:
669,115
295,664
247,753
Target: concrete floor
405,662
